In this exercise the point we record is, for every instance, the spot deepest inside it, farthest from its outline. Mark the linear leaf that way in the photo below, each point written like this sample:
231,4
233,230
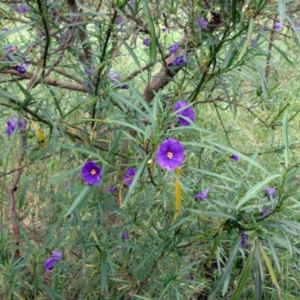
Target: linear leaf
255,189
274,254
135,180
126,125
213,174
270,269
129,49
258,272
247,39
216,214
151,28
86,191
285,139
244,276
64,175
24,191
227,271
242,156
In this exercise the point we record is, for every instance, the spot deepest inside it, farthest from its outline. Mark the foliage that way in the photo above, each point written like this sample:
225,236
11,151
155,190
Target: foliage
122,90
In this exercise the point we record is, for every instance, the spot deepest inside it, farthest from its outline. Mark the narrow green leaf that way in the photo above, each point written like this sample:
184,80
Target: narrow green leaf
227,271
135,180
270,269
129,103
258,272
255,189
15,30
64,175
52,294
151,28
129,49
242,156
7,96
70,111
250,166
274,254
50,232
281,10
215,214
247,39
225,178
137,129
285,138
282,53
294,26
233,13
86,191
150,257
244,276
292,224
24,191
26,238
88,8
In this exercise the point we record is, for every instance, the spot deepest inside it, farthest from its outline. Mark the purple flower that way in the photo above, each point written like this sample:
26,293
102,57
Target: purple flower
294,267
202,195
23,9
131,3
270,191
164,30
265,211
192,277
49,264
89,71
5,29
128,177
178,61
185,114
57,255
174,48
277,26
202,23
119,20
114,76
15,123
235,157
112,190
91,173
125,236
170,154
244,240
20,68
253,42
146,42
12,48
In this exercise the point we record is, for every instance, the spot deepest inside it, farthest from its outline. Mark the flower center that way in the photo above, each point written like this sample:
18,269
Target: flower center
93,172
169,155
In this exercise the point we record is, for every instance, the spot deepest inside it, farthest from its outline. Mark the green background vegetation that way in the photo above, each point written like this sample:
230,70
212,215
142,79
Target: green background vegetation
239,109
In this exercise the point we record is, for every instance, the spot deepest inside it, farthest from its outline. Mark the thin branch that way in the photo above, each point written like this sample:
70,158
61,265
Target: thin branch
54,82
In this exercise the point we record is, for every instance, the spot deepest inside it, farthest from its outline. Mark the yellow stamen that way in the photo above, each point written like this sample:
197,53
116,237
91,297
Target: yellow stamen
169,155
93,172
